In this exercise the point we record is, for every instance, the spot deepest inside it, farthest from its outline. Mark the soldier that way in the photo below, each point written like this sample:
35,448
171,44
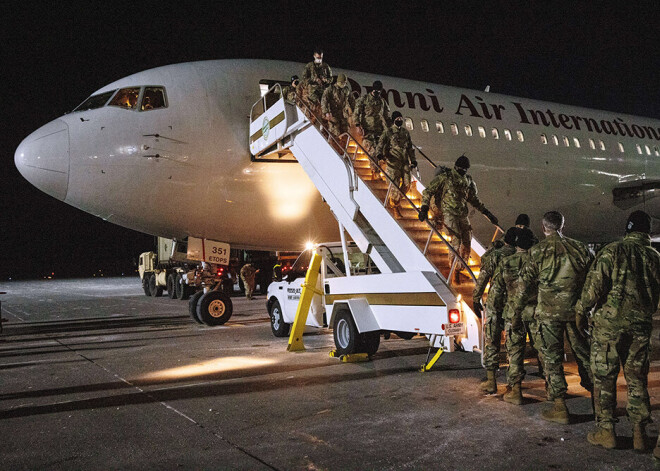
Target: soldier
454,189
395,146
555,271
624,286
248,274
317,75
506,282
292,91
372,117
522,222
337,105
493,321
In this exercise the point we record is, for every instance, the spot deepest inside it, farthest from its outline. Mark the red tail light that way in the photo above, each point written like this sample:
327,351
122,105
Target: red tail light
220,271
454,316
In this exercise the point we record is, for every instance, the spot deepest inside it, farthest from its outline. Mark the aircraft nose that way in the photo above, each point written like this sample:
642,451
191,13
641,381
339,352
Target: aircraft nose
43,158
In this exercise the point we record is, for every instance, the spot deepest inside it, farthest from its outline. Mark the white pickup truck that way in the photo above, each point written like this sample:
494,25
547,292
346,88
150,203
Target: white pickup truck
360,303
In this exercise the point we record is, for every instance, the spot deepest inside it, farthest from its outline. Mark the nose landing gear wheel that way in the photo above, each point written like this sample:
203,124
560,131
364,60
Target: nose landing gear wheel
214,308
192,305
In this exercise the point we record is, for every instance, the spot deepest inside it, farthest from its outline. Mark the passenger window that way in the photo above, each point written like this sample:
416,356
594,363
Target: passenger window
439,127
409,124
648,151
602,145
621,147
126,98
496,133
468,130
95,101
592,144
521,137
555,141
153,98
639,148
507,134
454,129
482,131
565,140
425,125
576,141
544,139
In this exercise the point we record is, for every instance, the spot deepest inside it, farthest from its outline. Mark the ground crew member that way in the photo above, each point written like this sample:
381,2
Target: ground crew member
317,75
454,189
277,272
396,148
337,106
372,117
555,271
493,321
506,282
248,274
522,222
624,285
292,91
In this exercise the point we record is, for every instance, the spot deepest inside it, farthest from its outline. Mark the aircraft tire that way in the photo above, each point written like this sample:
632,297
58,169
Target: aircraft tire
277,324
214,308
192,305
156,291
171,287
145,283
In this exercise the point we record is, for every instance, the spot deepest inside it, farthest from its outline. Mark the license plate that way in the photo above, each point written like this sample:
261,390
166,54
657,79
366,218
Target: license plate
454,329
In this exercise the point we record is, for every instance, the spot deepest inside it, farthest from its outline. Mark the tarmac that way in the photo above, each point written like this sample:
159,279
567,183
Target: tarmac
96,375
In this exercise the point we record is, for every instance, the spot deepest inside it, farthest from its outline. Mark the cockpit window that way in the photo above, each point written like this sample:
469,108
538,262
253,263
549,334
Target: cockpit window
153,98
95,101
126,98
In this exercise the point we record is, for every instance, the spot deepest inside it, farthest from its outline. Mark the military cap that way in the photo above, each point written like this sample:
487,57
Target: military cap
462,162
639,221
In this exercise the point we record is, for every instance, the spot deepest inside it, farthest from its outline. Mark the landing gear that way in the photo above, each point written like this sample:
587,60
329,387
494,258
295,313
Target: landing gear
192,305
214,308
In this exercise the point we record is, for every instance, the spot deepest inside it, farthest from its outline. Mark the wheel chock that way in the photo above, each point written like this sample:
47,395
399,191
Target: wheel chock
429,364
350,358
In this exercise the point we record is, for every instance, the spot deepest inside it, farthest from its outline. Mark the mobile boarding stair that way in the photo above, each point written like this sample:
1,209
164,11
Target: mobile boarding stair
417,290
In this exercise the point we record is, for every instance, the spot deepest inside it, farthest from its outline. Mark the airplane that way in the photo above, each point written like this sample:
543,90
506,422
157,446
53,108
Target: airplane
166,152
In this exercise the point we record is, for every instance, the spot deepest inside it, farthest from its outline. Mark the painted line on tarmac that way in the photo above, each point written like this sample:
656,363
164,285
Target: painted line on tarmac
4,309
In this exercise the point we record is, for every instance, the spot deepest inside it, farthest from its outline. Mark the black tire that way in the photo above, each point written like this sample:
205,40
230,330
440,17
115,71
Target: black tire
156,291
145,283
171,286
369,342
182,290
214,308
277,324
192,305
345,333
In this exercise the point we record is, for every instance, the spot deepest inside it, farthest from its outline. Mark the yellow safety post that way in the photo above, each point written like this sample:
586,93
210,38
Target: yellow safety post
308,292
429,364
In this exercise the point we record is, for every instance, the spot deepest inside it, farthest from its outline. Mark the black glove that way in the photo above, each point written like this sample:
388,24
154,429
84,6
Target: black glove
491,217
413,165
423,212
582,323
478,308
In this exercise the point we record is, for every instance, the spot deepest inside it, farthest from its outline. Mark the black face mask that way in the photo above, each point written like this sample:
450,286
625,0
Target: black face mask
399,122
375,93
461,171
295,83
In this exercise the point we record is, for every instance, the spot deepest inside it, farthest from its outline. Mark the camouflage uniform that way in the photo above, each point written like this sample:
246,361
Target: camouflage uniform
506,282
339,102
624,285
291,93
248,273
493,321
555,270
315,78
373,115
454,191
396,147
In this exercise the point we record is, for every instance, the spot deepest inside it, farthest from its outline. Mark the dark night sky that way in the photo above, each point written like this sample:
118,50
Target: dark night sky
54,57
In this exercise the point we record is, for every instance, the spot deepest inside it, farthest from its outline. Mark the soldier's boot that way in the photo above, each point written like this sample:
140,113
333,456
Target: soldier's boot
490,385
640,439
514,395
558,413
603,436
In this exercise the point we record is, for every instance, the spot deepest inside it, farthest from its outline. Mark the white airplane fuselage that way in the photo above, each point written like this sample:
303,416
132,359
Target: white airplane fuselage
204,183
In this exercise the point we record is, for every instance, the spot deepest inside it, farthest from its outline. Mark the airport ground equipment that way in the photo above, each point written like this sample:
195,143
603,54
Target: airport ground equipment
413,288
